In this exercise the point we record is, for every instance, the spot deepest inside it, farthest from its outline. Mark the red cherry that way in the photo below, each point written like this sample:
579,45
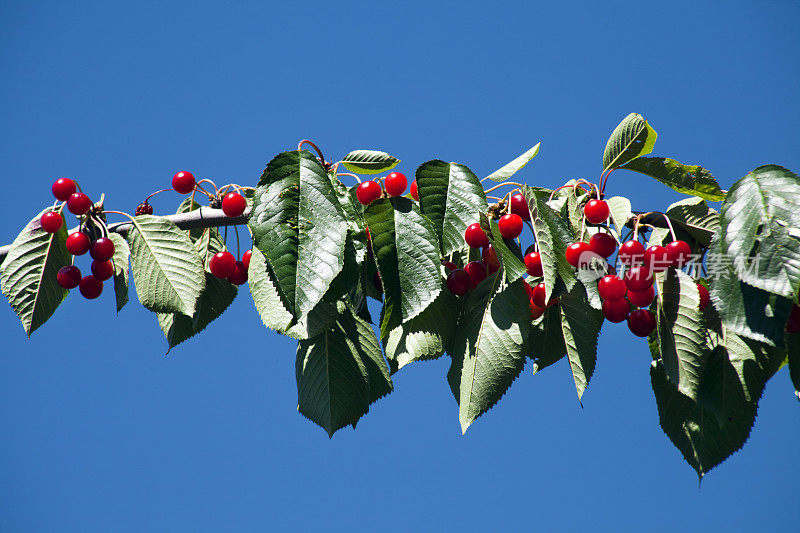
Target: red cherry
510,226
449,266
519,206
102,249
69,277
538,294
575,251
246,259
144,209
611,288
458,282
603,244
641,322
79,204
536,311
183,182
78,243
477,273
51,222
234,204
222,264
793,324
642,298
102,270
239,275
616,310
596,211
631,252
63,188
414,190
638,279
91,287
533,264
395,184
367,192
705,297
679,253
475,236
657,258
489,256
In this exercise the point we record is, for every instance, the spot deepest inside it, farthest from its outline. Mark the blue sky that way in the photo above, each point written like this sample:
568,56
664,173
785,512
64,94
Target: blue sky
103,432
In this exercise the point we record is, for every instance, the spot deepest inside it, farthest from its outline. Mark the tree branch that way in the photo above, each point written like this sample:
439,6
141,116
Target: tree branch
205,217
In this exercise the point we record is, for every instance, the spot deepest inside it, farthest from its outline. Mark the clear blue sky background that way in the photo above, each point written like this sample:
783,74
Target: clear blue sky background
103,432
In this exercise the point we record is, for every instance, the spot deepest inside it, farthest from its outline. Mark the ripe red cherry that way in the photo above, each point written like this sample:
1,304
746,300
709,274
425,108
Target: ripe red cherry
183,182
603,244
519,206
575,251
679,253
533,264
102,249
510,226
489,256
638,279
51,222
596,211
246,258
657,258
395,184
616,310
239,275
91,287
367,192
538,294
102,270
477,273
458,282
222,264
705,297
449,266
475,236
234,204
63,188
536,311
631,252
642,298
79,204
78,243
414,190
641,322
69,277
611,288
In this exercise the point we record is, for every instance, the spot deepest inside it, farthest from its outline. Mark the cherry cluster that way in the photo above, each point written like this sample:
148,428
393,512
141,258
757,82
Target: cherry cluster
394,183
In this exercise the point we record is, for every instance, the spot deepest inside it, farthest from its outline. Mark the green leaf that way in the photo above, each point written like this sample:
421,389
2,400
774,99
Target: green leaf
452,197
404,245
744,309
513,267
631,139
298,224
546,344
580,325
552,236
754,362
488,347
369,162
216,297
425,336
28,273
509,169
687,179
620,208
681,331
756,223
793,349
169,274
340,372
695,217
121,258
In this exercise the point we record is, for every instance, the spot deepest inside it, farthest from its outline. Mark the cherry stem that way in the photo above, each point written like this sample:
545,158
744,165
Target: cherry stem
157,192
206,180
603,183
558,189
669,225
494,198
237,188
347,174
238,254
592,187
306,141
118,213
503,185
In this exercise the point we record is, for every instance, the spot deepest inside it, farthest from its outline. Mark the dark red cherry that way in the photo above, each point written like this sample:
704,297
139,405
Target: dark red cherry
489,257
78,243
449,266
533,264
51,221
641,322
79,204
91,287
603,244
616,310
239,275
611,288
246,258
519,206
679,253
638,279
642,298
657,258
69,277
102,270
222,265
538,296
477,273
63,188
705,297
102,249
458,282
